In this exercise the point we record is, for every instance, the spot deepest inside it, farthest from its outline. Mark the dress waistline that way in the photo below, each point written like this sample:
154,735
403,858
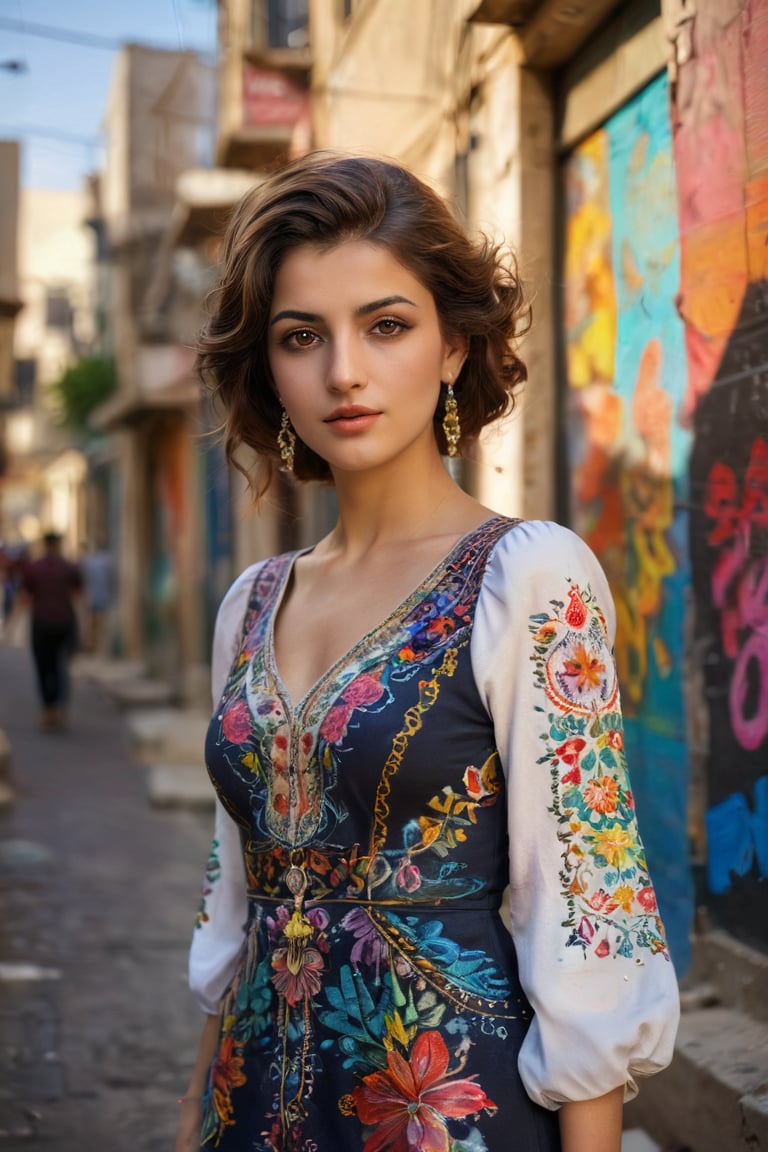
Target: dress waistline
410,906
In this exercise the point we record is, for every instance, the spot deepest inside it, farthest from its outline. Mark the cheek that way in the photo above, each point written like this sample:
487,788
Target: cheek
291,375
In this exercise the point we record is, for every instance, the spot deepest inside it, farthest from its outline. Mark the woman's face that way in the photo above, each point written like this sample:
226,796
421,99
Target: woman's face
357,354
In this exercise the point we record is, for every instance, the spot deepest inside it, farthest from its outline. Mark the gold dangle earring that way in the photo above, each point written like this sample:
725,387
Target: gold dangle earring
451,424
286,442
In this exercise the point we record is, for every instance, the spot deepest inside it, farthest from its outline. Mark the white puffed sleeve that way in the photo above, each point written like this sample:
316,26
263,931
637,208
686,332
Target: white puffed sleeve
591,949
218,935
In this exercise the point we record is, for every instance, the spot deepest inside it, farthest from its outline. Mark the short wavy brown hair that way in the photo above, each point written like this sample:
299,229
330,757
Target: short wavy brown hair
325,199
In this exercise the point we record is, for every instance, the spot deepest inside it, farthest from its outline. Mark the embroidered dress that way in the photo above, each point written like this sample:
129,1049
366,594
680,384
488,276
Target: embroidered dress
350,931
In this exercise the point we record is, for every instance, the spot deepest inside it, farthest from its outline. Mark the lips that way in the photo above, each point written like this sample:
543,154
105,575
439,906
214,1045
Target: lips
349,412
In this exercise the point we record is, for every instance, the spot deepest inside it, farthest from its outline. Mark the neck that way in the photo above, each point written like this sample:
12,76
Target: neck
403,501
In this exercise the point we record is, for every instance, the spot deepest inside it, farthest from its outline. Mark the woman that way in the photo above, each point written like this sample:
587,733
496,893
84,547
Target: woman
411,715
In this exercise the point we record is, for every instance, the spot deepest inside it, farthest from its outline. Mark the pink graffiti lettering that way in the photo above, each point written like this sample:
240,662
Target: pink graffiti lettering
740,589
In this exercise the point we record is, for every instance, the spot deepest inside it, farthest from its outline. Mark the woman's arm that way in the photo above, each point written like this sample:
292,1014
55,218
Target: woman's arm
593,1125
590,945
191,1103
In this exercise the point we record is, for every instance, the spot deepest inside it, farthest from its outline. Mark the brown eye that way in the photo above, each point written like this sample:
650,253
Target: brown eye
388,326
299,339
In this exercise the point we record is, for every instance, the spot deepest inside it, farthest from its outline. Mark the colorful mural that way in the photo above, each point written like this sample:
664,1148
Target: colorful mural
626,366
729,550
666,299
721,153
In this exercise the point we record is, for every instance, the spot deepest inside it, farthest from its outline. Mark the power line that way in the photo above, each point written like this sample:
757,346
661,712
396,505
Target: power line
48,32
178,24
70,36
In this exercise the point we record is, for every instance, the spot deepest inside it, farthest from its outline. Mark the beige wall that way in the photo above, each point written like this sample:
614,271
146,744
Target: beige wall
386,82
55,252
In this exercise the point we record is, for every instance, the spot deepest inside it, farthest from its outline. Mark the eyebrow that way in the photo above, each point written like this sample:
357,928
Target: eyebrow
363,310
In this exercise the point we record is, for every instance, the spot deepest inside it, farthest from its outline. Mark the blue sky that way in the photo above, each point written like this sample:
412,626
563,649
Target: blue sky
63,92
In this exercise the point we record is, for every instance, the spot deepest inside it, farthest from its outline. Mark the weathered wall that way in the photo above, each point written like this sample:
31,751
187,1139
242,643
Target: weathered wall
417,83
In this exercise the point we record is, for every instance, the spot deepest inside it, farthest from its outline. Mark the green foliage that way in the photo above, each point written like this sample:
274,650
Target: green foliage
82,388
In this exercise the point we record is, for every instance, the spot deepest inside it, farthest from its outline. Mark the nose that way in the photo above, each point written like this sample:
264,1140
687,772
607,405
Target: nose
346,368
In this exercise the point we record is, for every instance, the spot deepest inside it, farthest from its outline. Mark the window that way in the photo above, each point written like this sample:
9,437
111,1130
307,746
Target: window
58,310
288,23
25,375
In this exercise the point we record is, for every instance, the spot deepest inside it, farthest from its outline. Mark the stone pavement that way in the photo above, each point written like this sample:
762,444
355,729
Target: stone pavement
98,891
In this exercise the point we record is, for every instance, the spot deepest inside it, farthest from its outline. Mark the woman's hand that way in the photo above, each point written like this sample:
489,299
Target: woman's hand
190,1123
191,1103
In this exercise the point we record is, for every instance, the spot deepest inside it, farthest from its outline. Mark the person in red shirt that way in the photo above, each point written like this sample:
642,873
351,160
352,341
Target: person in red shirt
51,585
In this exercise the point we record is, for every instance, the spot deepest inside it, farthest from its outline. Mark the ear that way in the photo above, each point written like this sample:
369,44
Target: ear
455,351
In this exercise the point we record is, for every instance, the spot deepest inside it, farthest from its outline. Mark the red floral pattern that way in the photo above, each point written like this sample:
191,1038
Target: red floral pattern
410,1102
236,722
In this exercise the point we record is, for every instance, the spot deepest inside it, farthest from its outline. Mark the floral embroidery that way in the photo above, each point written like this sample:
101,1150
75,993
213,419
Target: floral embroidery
456,812
410,1102
482,784
212,874
572,663
236,722
370,947
363,691
602,794
226,1074
604,875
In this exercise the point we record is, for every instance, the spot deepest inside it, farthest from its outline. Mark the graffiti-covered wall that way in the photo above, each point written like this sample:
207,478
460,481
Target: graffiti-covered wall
625,348
721,151
666,345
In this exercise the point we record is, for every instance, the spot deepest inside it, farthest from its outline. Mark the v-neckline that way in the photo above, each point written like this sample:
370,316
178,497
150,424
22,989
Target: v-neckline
293,711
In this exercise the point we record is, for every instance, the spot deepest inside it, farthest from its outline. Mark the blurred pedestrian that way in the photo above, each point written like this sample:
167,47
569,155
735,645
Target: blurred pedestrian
12,560
51,585
98,585
416,713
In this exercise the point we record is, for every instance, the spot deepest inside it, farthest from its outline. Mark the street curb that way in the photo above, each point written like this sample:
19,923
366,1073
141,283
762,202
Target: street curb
737,973
714,1092
168,735
140,693
179,786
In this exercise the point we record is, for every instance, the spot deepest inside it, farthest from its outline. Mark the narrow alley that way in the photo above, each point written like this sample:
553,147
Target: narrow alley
98,893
